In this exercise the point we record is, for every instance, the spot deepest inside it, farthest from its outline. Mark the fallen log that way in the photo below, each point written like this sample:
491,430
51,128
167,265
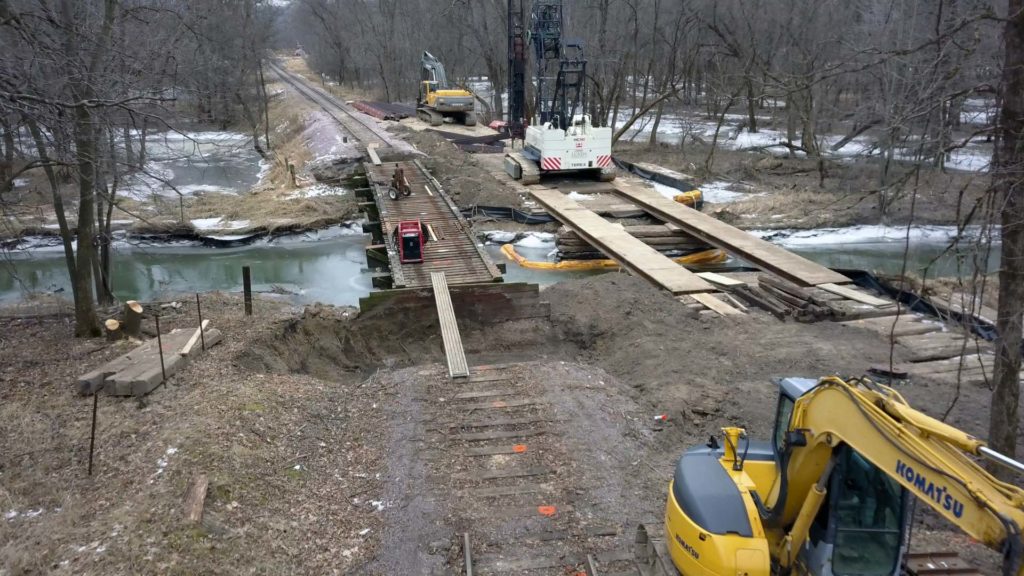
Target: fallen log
195,498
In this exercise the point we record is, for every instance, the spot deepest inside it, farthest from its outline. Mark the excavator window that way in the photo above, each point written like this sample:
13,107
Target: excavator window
863,520
782,418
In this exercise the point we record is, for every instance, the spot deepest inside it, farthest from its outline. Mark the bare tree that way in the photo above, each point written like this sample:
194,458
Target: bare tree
1008,184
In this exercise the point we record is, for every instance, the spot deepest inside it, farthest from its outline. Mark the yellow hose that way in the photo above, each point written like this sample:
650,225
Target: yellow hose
714,256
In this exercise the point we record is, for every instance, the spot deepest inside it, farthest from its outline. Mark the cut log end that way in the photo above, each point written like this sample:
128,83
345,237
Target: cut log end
114,331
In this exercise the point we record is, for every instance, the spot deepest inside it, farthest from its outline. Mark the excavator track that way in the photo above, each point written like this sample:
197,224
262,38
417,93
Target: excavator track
651,553
432,117
522,168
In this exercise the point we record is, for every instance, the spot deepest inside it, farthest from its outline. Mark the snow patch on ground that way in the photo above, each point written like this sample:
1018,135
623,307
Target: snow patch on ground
580,197
536,240
521,239
717,192
867,234
218,223
317,190
325,139
19,183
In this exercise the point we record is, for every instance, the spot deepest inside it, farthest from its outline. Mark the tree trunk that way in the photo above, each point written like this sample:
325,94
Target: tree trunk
653,140
1008,182
142,143
266,106
131,324
129,154
7,164
751,106
58,203
86,321
114,331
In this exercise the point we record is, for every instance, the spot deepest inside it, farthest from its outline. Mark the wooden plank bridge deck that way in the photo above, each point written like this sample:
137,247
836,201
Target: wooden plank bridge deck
759,252
454,250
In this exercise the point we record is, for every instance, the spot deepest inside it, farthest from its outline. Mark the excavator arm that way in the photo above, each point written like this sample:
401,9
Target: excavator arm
435,69
935,462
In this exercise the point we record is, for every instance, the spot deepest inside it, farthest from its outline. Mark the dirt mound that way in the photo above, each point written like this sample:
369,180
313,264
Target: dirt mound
328,342
709,371
461,174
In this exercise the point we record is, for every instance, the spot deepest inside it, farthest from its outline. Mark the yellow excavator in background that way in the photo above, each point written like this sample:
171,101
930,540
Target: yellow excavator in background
829,493
437,101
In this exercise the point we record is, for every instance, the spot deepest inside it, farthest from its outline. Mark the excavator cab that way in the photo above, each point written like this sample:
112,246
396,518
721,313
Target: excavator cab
859,528
427,87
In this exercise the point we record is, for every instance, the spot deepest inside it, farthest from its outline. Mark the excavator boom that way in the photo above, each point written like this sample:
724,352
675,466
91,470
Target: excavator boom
930,459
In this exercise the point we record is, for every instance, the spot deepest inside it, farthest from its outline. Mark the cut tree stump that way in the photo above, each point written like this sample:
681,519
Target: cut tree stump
195,497
114,331
132,324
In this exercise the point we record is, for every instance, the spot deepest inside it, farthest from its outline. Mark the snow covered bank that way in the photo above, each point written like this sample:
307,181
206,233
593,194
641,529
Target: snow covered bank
868,234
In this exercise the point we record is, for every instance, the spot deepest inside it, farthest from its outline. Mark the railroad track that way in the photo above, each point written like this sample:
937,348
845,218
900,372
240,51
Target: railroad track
515,491
365,132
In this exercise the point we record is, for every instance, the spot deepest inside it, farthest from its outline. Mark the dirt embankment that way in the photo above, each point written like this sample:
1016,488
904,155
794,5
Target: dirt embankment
792,192
294,417
463,175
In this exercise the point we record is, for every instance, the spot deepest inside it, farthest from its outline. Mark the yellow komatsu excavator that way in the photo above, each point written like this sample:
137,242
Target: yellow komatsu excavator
437,100
829,493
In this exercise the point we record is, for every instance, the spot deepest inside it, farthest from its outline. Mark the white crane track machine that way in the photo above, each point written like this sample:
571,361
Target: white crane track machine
561,138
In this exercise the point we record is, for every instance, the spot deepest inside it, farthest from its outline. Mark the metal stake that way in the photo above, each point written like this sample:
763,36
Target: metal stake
247,289
199,310
160,346
92,435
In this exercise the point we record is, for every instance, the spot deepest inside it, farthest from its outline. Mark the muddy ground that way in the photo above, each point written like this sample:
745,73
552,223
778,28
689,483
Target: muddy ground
318,430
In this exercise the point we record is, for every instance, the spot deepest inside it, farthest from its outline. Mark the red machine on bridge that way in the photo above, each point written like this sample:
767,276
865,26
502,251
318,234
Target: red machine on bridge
410,240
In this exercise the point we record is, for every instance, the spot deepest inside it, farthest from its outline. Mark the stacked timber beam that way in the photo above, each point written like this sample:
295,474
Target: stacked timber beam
785,300
146,366
661,237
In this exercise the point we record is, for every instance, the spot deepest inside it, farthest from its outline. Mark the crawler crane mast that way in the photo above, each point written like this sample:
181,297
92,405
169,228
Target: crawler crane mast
561,137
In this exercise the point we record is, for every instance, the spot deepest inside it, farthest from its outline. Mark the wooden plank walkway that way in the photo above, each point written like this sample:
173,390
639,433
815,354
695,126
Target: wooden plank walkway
759,252
631,253
457,367
454,251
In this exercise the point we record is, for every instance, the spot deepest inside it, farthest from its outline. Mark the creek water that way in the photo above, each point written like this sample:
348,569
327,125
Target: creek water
308,268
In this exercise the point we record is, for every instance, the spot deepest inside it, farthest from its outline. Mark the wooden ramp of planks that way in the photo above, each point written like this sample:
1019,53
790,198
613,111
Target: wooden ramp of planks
759,252
456,356
631,253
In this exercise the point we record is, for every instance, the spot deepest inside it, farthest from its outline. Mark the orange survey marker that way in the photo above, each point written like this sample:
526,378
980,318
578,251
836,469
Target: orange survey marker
546,510
519,448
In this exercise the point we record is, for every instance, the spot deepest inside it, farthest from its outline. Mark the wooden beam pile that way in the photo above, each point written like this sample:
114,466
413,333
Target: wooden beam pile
661,237
783,299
